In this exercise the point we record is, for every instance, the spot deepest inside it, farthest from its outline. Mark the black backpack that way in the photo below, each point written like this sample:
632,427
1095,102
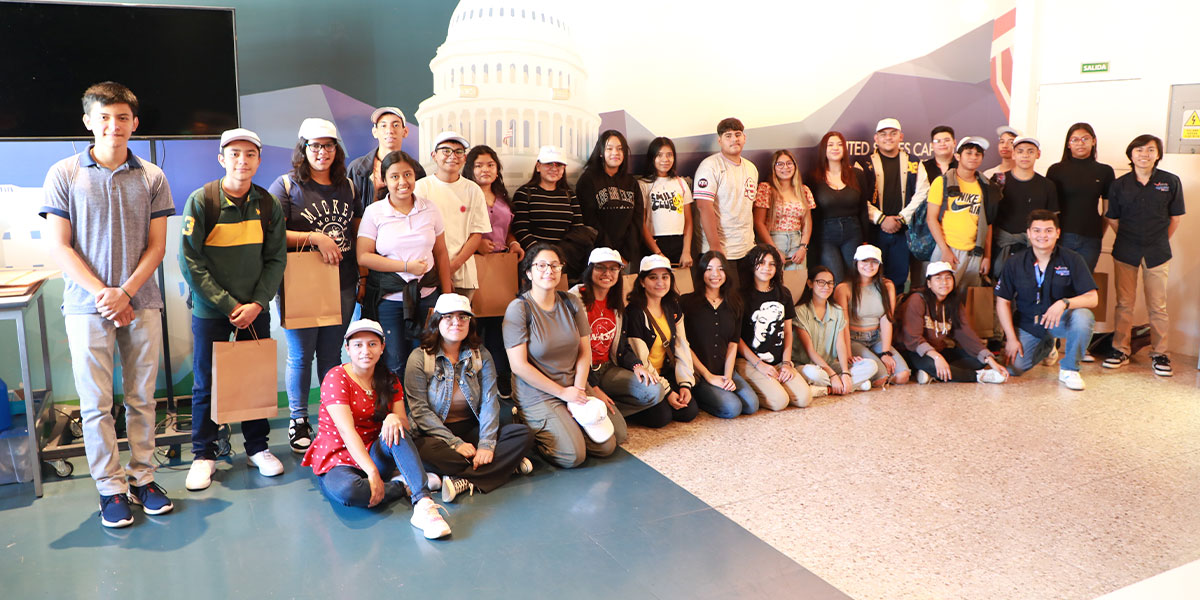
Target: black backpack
212,205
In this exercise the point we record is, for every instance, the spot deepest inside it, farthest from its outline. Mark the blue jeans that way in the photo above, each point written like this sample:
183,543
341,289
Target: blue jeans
323,343
204,429
397,343
1076,327
722,403
1087,247
788,243
348,486
840,236
894,247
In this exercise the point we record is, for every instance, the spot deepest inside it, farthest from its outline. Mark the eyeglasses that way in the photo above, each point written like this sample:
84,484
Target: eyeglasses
457,317
822,283
446,152
785,164
1080,140
607,268
545,266
317,148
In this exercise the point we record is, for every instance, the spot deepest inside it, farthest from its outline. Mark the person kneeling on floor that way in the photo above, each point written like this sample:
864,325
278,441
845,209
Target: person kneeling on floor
455,406
1052,290
362,435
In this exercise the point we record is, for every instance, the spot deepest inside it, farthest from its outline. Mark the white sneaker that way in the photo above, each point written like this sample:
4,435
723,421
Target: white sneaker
990,375
1050,358
453,486
1071,379
268,465
200,475
526,466
427,518
433,482
865,386
923,377
1088,358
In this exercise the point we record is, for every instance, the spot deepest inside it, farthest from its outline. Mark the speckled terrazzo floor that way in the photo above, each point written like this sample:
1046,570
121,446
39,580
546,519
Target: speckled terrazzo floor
1023,490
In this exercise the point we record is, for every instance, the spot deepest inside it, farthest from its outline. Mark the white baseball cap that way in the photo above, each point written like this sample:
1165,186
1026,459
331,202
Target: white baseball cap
936,267
592,416
551,154
240,134
452,303
868,252
363,325
313,128
600,255
888,123
971,139
450,136
386,110
1027,140
1003,129
654,261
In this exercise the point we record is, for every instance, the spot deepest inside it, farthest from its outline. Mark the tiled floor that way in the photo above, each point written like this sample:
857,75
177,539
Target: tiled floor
1023,490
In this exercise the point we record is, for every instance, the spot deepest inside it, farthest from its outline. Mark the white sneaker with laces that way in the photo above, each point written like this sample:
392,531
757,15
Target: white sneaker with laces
427,518
453,486
1071,379
200,474
268,465
990,375
923,377
864,386
433,482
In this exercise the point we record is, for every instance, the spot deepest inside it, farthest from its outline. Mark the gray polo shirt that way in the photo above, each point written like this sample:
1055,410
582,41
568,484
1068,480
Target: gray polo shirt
110,214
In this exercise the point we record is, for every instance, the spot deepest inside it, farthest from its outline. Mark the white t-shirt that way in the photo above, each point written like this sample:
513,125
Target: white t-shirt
666,200
731,187
464,212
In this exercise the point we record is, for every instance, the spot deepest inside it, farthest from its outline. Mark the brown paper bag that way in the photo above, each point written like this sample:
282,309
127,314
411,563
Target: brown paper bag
497,283
981,310
311,295
244,381
1101,310
795,281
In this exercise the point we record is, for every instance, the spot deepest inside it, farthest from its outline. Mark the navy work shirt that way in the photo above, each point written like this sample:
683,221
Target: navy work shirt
1067,276
1144,213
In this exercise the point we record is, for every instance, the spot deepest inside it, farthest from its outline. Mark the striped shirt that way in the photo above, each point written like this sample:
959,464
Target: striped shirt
543,216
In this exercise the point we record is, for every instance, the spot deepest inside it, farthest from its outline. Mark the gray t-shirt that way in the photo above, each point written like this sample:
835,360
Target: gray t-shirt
110,214
551,339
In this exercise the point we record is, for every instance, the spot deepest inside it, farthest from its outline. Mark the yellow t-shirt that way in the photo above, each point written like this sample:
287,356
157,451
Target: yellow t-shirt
960,221
658,354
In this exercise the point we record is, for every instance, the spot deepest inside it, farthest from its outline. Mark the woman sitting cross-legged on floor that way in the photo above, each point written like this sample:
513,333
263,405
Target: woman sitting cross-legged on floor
824,342
455,406
362,437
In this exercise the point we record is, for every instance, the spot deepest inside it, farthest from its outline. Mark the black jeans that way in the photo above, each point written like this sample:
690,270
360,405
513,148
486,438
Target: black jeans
962,365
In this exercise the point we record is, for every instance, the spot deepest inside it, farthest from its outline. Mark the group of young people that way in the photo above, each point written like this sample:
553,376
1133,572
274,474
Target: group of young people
424,402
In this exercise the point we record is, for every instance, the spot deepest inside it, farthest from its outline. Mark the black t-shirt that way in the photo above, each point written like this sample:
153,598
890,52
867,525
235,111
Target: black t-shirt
1080,185
1067,276
763,321
1022,197
892,203
833,204
709,330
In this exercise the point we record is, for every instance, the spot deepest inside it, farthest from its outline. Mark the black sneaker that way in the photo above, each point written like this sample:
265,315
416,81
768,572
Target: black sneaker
114,511
299,435
1161,365
152,498
1116,360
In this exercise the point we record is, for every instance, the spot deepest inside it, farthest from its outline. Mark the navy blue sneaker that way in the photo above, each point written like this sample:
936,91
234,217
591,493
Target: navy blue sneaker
114,511
151,497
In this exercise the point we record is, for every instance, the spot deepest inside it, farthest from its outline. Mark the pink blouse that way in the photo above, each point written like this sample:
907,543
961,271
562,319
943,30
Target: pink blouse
789,215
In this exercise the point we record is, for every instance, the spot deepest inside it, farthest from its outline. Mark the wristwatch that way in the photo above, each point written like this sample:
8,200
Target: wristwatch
1067,303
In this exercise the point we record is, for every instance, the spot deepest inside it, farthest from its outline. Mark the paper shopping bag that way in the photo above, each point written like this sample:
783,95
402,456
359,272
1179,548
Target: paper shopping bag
981,310
244,381
497,283
1101,310
311,295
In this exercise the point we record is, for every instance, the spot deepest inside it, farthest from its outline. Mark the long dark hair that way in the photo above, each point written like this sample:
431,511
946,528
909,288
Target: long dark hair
849,177
302,170
1081,126
758,254
384,381
431,336
398,156
650,173
807,295
595,162
497,186
615,299
729,295
526,265
536,179
671,307
950,306
856,292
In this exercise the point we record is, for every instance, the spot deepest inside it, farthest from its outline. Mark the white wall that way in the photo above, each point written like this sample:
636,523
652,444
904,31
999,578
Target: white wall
1149,46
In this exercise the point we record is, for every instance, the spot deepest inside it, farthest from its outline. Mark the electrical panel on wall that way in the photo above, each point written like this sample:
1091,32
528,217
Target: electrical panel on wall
1183,122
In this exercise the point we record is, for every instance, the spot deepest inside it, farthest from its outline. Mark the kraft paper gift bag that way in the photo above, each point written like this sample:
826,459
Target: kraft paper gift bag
244,381
981,310
497,283
311,294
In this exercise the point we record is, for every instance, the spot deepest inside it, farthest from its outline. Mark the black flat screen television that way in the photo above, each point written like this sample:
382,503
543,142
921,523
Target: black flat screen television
180,62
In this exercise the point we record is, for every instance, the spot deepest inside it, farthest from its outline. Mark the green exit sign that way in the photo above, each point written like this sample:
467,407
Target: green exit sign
1098,67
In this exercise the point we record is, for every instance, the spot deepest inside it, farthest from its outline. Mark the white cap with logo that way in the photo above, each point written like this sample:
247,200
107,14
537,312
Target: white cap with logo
313,128
868,251
654,261
364,325
936,267
888,123
551,154
602,254
452,303
238,135
592,416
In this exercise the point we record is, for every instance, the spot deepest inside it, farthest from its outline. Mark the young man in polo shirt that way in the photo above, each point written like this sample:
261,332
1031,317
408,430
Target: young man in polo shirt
389,128
1024,191
106,227
1005,141
960,209
234,265
463,208
724,189
1051,291
1144,209
892,173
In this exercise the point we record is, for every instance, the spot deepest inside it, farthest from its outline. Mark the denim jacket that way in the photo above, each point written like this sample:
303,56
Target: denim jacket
429,397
